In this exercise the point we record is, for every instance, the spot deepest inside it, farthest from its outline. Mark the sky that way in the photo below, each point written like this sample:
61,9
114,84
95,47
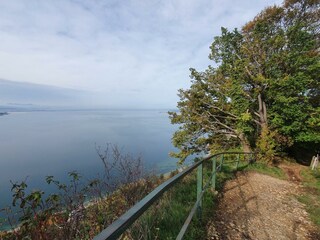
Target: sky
125,53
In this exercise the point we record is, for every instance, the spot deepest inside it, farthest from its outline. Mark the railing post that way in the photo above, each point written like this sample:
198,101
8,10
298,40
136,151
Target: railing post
238,159
214,173
199,188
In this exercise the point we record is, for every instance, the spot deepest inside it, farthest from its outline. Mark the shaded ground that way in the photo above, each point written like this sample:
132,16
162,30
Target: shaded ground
257,206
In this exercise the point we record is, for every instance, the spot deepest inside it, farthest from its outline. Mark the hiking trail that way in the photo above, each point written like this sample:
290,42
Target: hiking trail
258,206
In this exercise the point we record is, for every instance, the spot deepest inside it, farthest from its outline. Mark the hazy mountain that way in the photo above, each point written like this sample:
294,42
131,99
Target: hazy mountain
26,95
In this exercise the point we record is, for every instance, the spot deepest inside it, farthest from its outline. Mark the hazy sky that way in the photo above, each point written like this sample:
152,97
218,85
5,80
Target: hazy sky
132,53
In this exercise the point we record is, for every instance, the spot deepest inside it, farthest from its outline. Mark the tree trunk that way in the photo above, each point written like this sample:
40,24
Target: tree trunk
245,143
262,112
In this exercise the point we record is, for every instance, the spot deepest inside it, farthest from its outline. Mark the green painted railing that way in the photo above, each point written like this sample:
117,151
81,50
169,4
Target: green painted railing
122,223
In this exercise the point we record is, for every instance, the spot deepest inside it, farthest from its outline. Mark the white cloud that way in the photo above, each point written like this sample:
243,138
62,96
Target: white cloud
133,53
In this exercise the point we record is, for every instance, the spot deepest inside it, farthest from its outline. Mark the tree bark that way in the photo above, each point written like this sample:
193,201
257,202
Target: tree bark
245,143
265,112
262,112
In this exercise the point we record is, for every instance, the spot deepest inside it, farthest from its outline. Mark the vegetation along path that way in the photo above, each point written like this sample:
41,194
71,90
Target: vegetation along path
257,206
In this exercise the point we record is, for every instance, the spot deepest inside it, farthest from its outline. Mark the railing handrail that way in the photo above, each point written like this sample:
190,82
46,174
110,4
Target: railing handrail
114,230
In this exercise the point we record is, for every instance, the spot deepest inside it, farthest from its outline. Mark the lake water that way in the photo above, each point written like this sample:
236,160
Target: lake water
37,144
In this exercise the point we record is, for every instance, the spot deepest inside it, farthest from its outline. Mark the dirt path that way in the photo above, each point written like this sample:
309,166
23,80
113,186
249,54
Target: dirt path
257,206
293,172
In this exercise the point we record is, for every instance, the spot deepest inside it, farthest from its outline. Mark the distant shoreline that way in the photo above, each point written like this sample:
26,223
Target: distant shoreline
3,113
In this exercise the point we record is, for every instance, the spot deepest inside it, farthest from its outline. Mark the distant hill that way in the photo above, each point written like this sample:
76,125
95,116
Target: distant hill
29,95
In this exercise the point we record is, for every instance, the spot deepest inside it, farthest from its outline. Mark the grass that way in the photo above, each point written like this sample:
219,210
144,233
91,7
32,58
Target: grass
311,195
266,169
166,217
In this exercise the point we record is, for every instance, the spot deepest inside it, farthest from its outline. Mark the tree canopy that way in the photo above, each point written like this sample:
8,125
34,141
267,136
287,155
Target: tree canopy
264,91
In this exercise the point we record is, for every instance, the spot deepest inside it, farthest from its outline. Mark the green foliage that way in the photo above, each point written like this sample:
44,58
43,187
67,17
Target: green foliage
41,215
265,89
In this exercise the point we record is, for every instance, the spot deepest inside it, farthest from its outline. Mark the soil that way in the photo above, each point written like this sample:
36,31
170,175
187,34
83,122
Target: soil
257,206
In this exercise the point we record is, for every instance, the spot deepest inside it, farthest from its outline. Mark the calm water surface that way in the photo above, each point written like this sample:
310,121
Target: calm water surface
37,144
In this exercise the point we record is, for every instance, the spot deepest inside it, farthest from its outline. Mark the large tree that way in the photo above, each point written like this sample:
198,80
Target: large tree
264,92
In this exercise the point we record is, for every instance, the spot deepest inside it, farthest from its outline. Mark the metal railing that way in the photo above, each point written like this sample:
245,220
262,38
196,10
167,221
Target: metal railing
122,223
